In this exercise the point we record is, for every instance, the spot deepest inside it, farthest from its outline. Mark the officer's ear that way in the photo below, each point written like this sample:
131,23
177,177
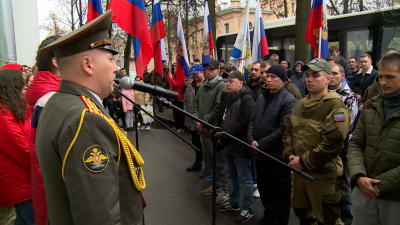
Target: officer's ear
87,65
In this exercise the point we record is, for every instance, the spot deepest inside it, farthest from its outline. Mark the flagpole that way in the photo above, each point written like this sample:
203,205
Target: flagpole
320,39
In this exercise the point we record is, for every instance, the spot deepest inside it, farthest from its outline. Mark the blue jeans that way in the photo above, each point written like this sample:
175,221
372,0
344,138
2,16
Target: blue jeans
25,213
238,170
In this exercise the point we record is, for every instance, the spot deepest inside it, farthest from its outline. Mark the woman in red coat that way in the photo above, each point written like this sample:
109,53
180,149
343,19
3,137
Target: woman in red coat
15,189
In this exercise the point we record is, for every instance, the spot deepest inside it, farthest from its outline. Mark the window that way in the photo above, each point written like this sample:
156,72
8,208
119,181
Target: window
288,48
226,28
293,8
192,40
280,9
193,58
390,39
359,42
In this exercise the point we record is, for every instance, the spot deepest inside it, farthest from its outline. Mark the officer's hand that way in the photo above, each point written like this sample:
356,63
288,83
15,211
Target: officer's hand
295,163
220,143
366,186
291,157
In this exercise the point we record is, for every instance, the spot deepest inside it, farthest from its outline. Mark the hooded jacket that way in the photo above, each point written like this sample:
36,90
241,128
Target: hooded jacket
233,117
315,131
298,79
44,85
267,121
206,103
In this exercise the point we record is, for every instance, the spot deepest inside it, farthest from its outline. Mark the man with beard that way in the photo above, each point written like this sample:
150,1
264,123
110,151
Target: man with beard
254,81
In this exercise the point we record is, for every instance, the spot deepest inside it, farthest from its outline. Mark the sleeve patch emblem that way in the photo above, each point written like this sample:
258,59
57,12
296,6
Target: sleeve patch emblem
95,159
338,117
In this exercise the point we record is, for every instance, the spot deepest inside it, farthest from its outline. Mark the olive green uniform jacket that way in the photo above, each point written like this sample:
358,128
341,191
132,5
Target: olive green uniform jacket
91,194
374,148
206,102
315,133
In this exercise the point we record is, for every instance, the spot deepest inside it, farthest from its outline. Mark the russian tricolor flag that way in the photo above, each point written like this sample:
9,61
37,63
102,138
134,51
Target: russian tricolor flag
182,69
95,9
260,46
241,53
208,43
316,21
157,34
130,15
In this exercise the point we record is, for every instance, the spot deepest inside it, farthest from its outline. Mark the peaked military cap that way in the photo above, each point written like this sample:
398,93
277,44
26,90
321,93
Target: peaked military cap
91,35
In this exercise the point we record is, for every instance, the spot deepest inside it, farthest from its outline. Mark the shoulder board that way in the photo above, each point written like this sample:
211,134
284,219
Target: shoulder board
92,107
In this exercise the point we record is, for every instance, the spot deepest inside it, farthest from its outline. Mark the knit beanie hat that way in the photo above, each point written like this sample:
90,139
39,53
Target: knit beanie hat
278,71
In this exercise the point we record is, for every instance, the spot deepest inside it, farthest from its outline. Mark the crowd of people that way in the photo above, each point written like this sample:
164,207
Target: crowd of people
61,145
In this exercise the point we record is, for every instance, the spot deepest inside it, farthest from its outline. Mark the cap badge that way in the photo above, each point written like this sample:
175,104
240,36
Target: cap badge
315,61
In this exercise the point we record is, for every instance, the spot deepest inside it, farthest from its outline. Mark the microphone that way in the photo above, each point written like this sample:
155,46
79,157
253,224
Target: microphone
129,83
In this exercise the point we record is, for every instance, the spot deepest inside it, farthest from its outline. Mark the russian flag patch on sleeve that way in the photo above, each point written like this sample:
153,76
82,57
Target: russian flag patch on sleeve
338,117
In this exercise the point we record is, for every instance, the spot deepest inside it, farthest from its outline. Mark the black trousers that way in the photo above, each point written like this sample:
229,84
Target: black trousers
274,185
179,119
196,142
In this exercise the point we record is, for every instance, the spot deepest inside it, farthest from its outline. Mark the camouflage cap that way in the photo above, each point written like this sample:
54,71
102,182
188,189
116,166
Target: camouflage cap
91,35
318,65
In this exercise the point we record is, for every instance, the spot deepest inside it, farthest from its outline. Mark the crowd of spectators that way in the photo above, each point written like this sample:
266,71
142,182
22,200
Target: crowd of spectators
333,119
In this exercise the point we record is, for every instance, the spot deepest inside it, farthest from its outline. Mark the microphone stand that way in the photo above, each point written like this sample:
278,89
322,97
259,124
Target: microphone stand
138,107
218,132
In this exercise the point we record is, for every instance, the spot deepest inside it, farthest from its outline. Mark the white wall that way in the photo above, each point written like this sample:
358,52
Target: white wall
26,27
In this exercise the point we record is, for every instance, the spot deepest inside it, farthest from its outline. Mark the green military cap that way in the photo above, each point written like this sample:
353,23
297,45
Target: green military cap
318,65
91,35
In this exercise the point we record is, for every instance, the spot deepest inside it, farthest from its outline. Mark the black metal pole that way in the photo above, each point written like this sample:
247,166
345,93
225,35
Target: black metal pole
219,131
159,121
214,182
136,110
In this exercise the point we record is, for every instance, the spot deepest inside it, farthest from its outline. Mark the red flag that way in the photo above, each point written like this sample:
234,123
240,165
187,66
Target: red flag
131,17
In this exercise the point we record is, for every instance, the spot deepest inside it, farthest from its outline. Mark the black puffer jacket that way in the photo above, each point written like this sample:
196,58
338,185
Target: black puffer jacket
233,117
267,122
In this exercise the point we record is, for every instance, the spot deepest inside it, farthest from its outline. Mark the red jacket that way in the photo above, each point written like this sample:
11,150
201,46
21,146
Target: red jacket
177,86
14,159
44,85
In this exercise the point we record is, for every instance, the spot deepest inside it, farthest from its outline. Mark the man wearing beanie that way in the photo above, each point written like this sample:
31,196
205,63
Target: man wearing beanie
265,133
313,138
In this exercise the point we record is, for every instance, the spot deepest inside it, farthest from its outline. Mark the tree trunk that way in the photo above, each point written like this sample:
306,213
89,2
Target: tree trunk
286,8
361,3
72,15
302,51
80,13
211,7
345,6
127,52
187,26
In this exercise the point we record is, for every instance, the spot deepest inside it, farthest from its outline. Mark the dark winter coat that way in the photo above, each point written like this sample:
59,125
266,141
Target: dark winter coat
298,79
267,121
234,117
254,87
365,81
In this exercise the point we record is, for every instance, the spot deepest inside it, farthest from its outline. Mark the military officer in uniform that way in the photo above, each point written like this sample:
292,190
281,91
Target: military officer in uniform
91,172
